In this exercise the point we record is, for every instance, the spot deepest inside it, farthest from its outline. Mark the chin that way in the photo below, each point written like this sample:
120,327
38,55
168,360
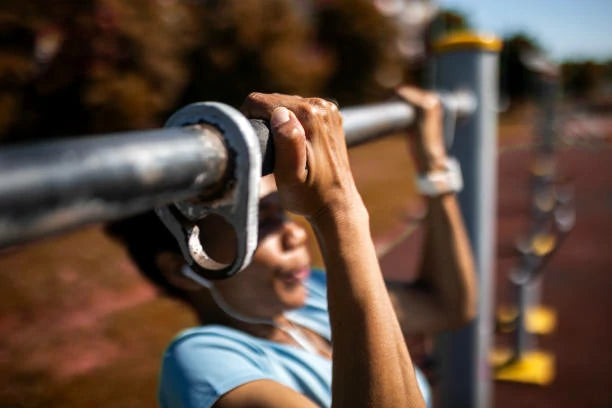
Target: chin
292,296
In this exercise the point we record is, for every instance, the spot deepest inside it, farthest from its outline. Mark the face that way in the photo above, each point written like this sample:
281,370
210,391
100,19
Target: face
274,281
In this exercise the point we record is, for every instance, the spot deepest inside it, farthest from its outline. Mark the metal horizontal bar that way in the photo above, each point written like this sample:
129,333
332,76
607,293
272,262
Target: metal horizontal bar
360,123
57,185
53,186
364,123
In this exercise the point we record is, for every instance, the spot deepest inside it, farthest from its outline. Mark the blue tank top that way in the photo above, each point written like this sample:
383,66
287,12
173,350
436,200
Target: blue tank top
203,363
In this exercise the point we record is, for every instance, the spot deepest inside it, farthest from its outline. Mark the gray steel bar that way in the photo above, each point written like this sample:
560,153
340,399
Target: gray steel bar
360,122
367,122
53,186
463,355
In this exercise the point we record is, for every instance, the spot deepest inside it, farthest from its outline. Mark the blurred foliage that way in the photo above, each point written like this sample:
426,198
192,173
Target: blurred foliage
361,41
449,20
516,80
104,65
93,65
584,79
587,78
255,45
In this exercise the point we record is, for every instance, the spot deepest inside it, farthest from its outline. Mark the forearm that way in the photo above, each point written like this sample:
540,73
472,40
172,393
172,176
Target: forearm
448,266
371,364
447,298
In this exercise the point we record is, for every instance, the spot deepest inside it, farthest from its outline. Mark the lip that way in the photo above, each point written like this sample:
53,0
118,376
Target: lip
295,275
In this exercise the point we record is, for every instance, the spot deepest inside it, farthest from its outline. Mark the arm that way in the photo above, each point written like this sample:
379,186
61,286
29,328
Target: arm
371,364
446,294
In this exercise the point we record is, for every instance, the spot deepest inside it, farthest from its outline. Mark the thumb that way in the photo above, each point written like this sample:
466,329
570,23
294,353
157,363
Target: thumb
289,146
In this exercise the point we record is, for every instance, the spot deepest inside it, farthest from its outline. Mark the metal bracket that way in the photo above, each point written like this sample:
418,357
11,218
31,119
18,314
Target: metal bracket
457,105
239,206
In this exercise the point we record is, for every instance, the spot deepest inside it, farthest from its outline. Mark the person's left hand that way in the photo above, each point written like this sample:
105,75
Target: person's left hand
428,144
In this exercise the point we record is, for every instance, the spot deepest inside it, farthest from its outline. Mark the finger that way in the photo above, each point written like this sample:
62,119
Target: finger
409,93
260,106
421,98
290,157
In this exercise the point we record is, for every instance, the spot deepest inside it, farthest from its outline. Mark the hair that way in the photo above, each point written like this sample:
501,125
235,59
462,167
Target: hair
144,236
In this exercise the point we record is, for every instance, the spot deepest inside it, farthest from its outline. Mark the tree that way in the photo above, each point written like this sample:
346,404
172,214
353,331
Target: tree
449,20
516,79
92,66
583,78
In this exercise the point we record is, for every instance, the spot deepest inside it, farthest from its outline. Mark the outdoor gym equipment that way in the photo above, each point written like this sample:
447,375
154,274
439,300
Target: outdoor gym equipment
207,159
552,218
468,61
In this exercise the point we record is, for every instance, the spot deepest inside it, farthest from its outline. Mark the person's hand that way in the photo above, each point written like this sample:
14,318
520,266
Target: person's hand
428,145
311,162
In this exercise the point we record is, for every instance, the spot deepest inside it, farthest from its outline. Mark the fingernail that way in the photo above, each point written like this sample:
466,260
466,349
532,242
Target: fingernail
280,115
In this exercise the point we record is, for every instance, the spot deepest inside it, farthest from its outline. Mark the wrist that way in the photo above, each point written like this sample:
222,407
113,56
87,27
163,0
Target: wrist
344,237
347,210
434,164
344,221
446,179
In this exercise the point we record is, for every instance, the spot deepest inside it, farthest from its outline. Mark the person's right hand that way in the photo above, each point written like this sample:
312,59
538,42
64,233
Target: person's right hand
311,161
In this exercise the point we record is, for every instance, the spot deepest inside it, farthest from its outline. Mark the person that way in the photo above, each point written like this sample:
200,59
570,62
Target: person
279,334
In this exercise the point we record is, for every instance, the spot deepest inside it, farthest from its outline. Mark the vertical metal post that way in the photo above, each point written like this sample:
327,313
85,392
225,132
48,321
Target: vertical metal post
548,94
543,179
470,62
523,339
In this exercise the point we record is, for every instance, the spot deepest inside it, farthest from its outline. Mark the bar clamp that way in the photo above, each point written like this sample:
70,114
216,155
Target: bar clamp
238,206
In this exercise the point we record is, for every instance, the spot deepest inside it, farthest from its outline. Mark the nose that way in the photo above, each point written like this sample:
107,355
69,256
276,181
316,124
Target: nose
293,235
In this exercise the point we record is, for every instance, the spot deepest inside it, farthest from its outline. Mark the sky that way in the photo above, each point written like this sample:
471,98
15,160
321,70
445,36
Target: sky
566,29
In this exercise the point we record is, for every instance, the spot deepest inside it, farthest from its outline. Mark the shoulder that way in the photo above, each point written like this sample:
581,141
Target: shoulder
199,350
203,363
212,337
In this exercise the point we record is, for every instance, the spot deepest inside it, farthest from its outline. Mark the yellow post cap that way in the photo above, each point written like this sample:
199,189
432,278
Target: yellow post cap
467,40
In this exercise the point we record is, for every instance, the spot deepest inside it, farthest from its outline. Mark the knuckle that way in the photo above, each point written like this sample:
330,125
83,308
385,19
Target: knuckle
318,102
432,101
254,97
315,110
295,133
323,107
304,110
